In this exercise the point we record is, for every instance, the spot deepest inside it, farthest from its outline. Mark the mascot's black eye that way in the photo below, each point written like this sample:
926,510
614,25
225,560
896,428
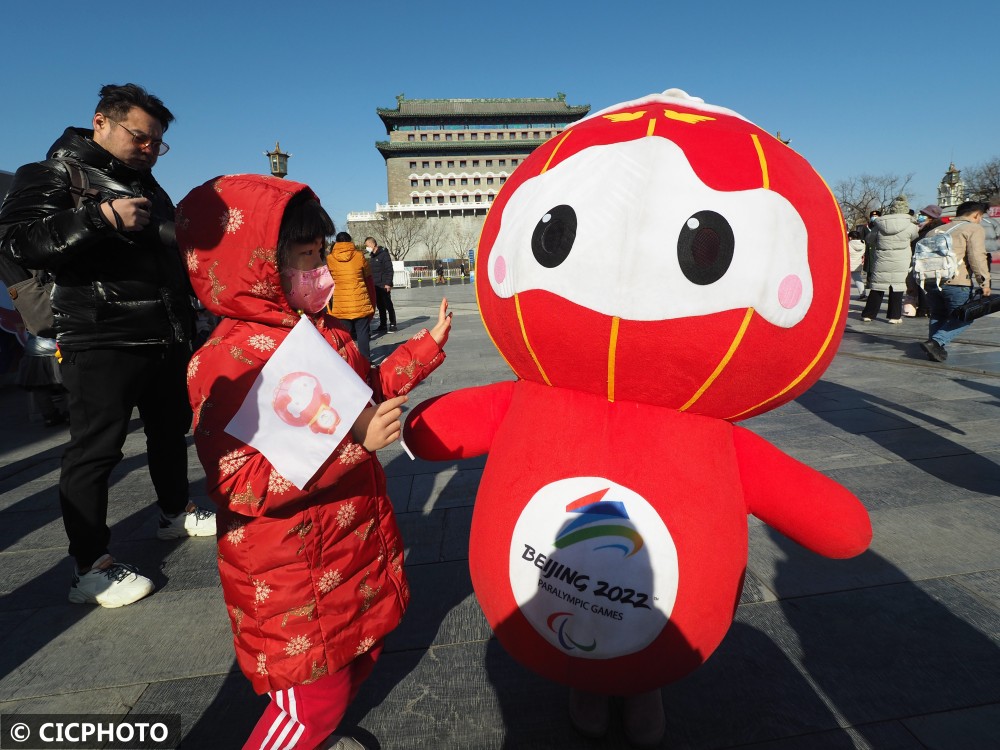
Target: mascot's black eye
554,236
705,247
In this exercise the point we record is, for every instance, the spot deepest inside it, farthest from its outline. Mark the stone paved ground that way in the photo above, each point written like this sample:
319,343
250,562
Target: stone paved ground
897,648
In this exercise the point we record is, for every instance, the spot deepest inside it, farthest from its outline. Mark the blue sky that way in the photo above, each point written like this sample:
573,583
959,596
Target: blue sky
857,89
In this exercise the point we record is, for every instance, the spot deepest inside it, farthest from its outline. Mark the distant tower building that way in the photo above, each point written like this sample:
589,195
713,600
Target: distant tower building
951,191
445,161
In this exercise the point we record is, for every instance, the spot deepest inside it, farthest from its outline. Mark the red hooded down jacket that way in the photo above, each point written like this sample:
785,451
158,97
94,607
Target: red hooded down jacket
311,578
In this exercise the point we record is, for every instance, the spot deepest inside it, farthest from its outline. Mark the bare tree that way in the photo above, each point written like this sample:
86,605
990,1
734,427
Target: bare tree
399,233
434,236
461,240
860,195
982,182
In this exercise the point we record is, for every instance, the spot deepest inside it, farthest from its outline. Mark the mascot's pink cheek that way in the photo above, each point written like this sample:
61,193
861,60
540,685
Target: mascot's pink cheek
790,292
500,270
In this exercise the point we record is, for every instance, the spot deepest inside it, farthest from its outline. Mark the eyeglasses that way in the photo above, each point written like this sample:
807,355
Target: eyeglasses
142,140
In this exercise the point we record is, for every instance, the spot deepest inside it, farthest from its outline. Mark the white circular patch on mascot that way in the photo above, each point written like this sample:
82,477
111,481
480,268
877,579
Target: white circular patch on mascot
593,568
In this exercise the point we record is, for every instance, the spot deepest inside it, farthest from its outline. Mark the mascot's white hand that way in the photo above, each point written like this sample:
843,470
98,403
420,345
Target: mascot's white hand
379,426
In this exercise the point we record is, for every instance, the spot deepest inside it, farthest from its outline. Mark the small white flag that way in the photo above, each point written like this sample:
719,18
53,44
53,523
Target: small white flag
301,405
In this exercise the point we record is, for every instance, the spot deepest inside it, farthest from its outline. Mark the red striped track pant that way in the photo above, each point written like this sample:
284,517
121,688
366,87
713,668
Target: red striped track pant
303,716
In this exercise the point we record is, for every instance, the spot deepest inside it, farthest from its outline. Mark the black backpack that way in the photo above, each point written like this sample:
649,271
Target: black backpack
31,290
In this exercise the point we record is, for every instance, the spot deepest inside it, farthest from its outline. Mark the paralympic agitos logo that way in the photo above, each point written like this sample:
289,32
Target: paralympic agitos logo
599,525
593,567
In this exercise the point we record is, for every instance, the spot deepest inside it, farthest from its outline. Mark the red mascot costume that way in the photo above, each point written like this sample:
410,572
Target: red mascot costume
653,274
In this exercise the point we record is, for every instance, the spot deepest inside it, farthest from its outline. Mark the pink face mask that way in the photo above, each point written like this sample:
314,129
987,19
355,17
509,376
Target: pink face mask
308,291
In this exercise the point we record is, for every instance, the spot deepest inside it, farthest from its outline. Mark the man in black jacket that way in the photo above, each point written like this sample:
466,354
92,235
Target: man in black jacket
381,265
123,320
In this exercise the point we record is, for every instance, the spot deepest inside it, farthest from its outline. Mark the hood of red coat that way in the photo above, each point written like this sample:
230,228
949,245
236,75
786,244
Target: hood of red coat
227,230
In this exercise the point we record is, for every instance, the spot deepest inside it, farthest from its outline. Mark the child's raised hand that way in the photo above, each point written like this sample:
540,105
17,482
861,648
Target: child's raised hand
440,332
379,426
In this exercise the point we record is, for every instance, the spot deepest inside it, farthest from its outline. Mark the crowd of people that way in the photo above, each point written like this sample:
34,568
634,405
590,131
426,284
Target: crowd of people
883,254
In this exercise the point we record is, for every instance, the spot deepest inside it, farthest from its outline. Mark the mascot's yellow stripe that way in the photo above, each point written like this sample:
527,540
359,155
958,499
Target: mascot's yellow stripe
763,161
651,127
553,154
725,360
612,349
524,335
517,303
833,323
766,184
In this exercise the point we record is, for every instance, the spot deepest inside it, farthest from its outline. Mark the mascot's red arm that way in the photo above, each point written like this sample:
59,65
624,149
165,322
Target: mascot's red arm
798,501
460,424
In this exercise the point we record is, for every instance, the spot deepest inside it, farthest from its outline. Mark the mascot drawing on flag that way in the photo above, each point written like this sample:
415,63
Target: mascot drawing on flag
653,274
299,400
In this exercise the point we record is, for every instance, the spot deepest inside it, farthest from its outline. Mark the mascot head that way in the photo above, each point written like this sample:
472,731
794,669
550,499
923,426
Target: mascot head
300,401
669,252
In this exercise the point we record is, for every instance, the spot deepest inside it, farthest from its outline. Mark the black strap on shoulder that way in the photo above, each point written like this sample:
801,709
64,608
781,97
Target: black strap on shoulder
79,182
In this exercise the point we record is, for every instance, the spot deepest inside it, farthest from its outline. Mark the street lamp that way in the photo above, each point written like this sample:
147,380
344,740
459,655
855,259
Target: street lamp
278,161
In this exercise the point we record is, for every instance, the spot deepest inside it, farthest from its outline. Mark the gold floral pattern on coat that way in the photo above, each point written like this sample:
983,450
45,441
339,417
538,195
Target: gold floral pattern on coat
262,663
265,254
351,453
261,590
297,644
247,497
235,532
231,220
217,286
239,356
262,342
317,672
300,530
330,580
277,484
409,369
230,462
346,514
265,289
366,531
237,620
368,593
306,611
196,423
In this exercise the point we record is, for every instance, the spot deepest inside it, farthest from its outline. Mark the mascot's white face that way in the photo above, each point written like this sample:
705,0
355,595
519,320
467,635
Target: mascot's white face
687,251
301,391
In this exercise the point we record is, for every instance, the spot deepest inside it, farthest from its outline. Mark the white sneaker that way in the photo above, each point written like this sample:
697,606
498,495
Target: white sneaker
193,521
110,584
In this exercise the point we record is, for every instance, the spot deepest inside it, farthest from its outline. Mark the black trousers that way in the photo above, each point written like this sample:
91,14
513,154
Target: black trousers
103,386
383,301
874,303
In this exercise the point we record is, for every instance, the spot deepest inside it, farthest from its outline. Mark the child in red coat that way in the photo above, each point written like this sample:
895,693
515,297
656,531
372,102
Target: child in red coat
312,578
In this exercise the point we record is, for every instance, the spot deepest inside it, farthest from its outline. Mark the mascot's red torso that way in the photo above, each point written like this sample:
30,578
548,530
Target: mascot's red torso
652,274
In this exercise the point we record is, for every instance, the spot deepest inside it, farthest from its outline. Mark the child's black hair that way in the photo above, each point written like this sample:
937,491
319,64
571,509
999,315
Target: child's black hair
304,220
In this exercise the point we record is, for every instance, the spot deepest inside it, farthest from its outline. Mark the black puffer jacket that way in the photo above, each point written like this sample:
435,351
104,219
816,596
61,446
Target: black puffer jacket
381,265
112,289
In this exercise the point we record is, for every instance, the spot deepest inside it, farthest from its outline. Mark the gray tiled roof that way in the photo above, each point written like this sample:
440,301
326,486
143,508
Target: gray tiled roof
423,108
453,148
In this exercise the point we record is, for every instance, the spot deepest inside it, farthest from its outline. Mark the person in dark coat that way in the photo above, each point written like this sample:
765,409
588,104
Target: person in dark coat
123,322
381,265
